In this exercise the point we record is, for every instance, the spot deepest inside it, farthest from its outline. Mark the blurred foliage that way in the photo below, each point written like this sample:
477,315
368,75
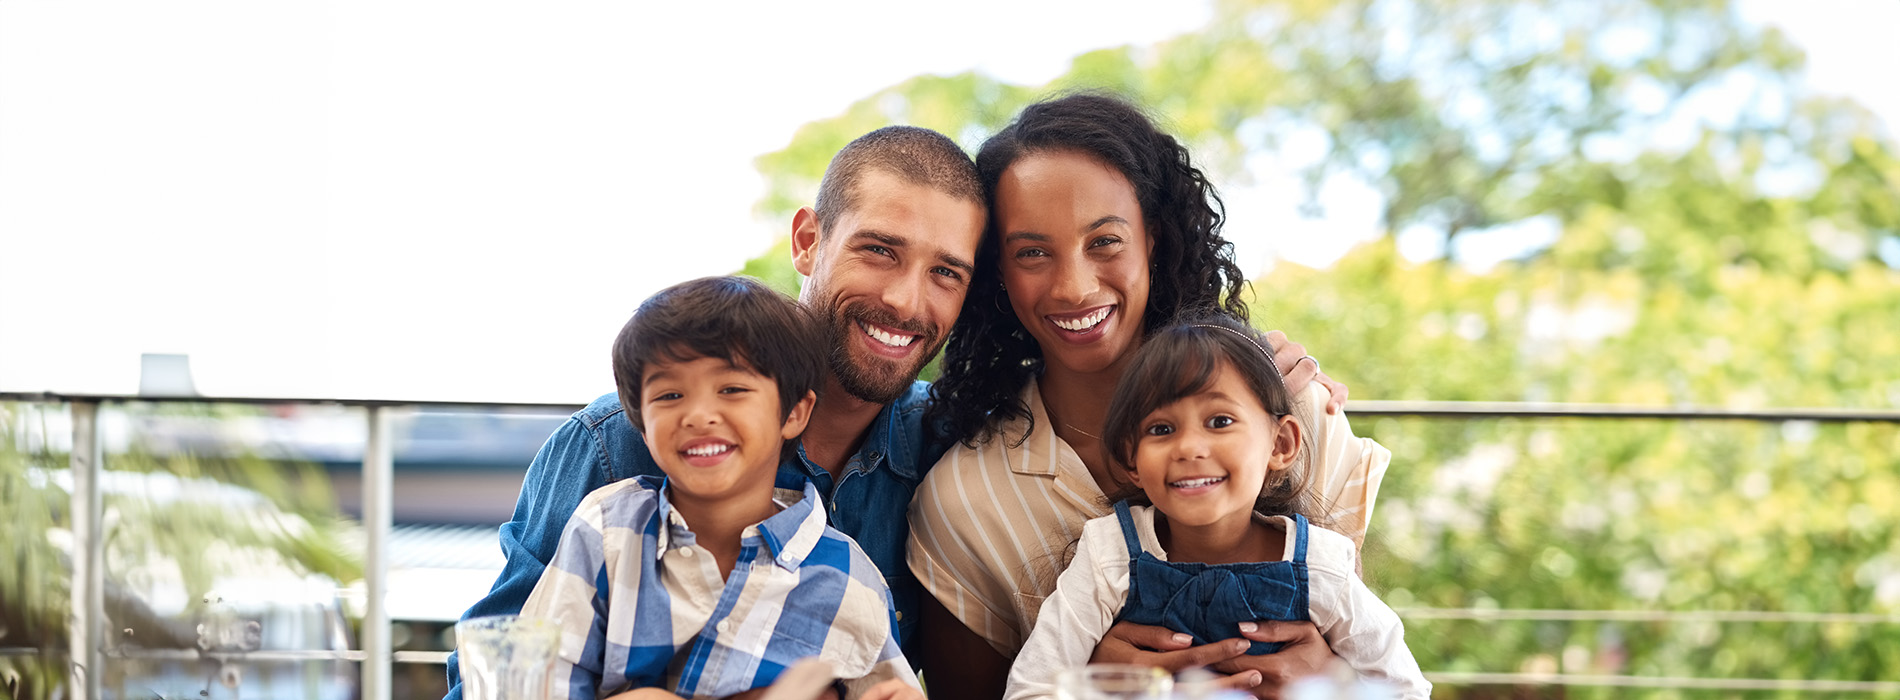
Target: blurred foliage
1718,242
176,519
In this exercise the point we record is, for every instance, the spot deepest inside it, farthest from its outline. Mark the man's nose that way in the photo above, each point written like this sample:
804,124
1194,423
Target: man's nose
905,295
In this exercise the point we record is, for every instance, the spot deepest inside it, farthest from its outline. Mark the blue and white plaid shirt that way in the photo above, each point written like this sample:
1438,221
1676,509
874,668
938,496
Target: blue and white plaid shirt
641,605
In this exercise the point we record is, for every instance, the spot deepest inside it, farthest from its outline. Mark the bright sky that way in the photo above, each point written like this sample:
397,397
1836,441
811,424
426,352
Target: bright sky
463,201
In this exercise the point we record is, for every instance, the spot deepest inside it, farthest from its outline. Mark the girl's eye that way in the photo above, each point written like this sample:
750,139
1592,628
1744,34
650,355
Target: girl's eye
1158,430
1220,421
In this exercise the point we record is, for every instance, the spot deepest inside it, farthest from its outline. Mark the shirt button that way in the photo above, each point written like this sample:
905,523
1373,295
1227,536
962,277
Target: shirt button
686,552
875,456
724,626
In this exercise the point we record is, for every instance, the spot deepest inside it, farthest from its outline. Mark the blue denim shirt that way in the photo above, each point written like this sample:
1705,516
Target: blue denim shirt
599,446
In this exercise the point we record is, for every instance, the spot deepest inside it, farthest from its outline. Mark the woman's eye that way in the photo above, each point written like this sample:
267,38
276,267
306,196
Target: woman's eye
1105,240
1158,429
1032,253
1220,421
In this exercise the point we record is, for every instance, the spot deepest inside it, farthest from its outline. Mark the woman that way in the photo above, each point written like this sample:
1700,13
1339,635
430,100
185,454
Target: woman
1101,231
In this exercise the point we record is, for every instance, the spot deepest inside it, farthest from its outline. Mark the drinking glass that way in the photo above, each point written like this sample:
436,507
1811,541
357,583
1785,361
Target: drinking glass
1113,682
506,657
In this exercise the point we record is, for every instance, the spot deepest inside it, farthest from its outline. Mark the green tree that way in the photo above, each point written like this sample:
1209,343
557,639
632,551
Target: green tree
1719,229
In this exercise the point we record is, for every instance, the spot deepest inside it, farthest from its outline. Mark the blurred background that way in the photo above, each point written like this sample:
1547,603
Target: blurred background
235,225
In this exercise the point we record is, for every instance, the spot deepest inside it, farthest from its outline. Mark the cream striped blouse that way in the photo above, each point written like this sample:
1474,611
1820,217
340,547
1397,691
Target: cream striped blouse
992,527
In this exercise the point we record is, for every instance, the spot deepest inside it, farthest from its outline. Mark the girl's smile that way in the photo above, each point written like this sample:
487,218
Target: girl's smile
1203,460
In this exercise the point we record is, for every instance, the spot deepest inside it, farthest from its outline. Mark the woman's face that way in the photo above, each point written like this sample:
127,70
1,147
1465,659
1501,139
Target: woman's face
1075,258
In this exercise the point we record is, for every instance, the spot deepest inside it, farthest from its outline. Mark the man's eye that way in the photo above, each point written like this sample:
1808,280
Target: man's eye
947,272
880,250
1158,429
1220,421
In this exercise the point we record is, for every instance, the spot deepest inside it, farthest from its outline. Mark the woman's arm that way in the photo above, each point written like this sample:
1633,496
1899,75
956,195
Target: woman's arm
959,664
1076,614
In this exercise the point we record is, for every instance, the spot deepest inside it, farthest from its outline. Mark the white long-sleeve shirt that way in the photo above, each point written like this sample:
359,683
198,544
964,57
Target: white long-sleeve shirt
1360,628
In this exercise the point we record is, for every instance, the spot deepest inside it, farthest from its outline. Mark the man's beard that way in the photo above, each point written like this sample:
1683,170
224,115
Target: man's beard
872,379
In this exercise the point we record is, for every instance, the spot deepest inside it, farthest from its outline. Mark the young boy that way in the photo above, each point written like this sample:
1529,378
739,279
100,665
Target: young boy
711,582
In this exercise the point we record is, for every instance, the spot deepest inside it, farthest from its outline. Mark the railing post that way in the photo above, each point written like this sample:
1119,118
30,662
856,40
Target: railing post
378,481
88,582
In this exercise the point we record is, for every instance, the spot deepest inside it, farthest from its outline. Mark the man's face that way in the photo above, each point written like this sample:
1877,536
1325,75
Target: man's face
888,280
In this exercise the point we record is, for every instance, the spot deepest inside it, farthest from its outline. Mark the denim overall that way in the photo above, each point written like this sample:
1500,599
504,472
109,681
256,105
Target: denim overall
1209,601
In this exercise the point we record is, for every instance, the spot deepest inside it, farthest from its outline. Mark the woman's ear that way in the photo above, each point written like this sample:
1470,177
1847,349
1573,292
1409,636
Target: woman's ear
799,416
1287,438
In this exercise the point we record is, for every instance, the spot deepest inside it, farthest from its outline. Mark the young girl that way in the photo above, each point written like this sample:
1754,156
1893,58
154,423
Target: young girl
1219,538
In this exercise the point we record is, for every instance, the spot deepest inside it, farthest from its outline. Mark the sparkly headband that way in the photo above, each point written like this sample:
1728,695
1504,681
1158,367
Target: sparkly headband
1271,362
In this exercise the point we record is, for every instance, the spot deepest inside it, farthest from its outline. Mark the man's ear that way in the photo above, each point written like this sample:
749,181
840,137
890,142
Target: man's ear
800,416
805,236
1286,443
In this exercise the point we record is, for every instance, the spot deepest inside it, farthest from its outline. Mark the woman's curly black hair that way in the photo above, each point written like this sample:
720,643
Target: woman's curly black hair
990,356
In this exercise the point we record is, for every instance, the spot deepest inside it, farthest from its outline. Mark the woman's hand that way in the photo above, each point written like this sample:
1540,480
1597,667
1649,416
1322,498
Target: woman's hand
1144,645
1305,654
1300,369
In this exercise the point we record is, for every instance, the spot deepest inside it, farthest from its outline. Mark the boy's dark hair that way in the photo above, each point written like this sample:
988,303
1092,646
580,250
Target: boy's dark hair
914,154
1179,361
736,319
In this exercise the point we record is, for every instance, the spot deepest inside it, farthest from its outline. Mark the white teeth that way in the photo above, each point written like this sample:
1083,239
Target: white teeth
891,339
1084,323
1197,483
707,450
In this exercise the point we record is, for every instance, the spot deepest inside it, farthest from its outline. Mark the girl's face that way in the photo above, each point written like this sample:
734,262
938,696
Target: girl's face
1203,460
1075,257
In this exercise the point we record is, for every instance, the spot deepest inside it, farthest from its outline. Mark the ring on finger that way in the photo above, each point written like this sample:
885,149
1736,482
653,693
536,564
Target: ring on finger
1303,358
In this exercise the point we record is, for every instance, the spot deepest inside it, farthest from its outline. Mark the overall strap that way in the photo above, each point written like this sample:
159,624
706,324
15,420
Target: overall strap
1128,529
1299,539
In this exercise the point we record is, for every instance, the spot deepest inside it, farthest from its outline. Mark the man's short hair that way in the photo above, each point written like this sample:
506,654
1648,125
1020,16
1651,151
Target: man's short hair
736,319
917,155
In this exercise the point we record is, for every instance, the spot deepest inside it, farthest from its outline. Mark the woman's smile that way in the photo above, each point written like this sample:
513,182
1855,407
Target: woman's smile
1075,258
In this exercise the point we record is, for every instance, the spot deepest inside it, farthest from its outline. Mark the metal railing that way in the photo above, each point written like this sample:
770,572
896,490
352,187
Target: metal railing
378,477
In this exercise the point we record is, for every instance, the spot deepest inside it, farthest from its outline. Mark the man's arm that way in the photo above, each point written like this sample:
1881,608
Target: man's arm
569,466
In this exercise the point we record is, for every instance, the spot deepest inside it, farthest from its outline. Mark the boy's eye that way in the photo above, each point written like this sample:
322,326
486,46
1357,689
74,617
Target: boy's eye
734,390
1220,421
665,396
1158,429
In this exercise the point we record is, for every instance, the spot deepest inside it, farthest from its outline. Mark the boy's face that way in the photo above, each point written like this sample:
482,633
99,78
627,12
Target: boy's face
714,427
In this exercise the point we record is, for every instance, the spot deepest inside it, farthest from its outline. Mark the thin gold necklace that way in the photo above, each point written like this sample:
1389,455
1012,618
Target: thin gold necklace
1085,433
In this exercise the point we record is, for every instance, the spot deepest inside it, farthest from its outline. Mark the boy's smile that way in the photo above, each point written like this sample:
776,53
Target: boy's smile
715,427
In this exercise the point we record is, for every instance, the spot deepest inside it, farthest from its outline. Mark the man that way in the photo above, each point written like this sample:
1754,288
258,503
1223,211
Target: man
888,251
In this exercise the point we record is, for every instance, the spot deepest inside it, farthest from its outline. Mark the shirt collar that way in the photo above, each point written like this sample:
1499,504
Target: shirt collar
790,534
884,440
1031,446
